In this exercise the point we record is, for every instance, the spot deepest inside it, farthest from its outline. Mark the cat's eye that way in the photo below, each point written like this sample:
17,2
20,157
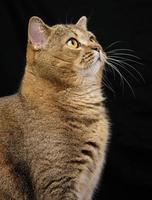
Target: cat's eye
92,39
73,43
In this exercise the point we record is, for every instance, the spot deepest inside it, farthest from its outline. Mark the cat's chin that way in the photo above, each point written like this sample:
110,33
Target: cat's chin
92,69
98,62
95,67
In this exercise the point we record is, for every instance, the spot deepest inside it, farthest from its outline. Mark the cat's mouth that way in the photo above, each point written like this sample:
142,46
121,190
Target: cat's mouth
98,62
99,56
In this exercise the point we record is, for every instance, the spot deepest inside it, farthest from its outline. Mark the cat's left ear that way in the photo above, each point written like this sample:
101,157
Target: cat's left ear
38,33
82,23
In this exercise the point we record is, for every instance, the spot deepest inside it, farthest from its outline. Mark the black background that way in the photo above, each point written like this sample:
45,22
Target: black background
128,170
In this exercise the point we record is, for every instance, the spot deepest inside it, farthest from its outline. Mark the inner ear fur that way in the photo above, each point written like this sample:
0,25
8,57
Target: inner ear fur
38,33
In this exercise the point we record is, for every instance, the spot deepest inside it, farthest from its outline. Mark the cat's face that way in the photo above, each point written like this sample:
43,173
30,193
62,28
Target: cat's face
65,51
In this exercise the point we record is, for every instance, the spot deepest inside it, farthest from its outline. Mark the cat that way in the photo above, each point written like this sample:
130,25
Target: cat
54,131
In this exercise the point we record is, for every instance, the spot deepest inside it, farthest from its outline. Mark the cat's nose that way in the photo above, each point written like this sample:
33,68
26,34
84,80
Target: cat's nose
96,48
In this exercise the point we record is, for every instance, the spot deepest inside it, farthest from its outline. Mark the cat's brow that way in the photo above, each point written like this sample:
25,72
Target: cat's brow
72,31
91,35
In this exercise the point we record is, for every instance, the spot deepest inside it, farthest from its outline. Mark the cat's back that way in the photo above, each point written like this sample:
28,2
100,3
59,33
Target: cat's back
9,107
10,135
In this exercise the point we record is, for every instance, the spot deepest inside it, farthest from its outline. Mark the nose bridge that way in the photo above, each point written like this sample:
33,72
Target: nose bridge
96,47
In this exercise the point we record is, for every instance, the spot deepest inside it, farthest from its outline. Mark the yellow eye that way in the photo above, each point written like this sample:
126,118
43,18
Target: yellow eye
73,43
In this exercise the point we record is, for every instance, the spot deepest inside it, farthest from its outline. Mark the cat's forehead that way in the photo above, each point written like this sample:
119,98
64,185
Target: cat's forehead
72,30
80,32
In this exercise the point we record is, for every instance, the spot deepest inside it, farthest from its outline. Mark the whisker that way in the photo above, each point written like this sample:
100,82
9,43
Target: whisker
107,84
121,76
113,67
66,19
121,60
122,66
127,54
125,59
120,50
113,72
112,44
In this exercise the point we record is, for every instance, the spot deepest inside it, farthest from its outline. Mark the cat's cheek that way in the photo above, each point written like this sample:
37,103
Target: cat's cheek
78,64
73,53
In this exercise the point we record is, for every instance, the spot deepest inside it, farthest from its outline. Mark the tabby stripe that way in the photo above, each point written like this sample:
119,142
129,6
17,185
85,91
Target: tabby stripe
89,92
59,181
85,121
97,104
91,106
65,190
94,104
68,192
90,59
93,144
60,59
82,162
89,122
87,153
87,53
74,125
88,56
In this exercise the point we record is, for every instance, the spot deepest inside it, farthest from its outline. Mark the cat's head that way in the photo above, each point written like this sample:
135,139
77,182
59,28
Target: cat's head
64,53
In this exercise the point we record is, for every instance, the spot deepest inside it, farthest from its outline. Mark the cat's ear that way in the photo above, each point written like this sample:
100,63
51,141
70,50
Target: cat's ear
38,33
82,23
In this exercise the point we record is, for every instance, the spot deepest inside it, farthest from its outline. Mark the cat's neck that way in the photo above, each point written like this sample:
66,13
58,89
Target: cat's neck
41,92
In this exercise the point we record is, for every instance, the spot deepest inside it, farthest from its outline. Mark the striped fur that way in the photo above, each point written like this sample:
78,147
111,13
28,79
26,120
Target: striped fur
54,131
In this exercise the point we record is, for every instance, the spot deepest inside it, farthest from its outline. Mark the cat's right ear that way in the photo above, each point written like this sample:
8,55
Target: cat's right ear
38,33
82,23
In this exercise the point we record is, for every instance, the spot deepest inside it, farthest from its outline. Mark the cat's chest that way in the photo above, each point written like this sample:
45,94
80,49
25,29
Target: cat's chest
42,128
66,134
